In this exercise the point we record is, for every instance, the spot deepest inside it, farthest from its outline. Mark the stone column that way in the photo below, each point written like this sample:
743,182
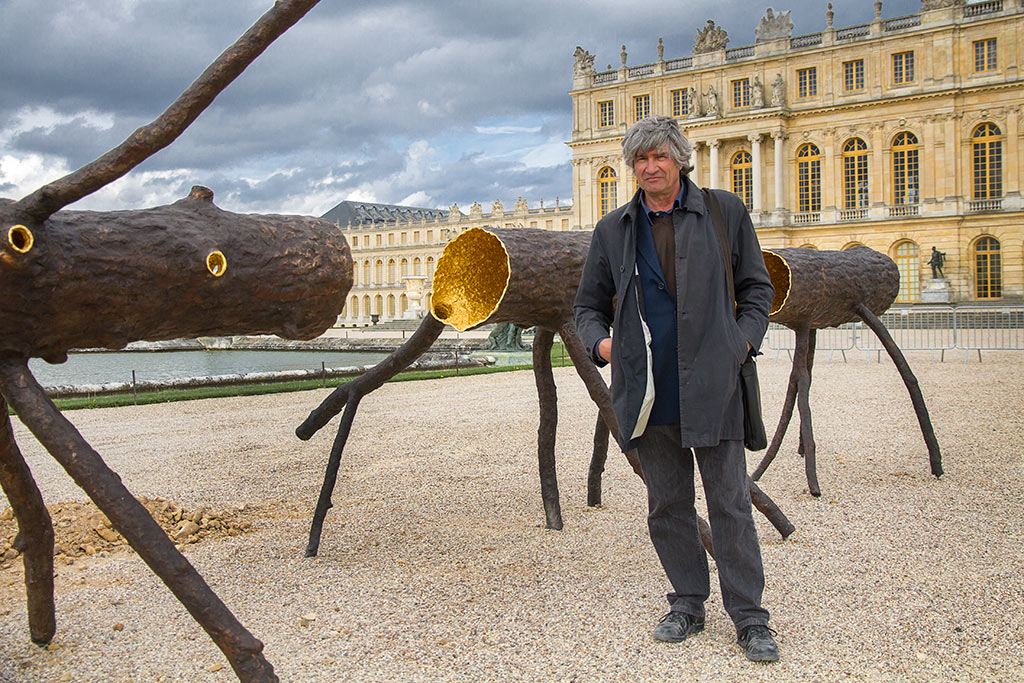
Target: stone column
780,170
755,163
713,165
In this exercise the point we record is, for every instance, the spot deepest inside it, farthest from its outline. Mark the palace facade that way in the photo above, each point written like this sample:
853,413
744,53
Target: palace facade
901,134
395,249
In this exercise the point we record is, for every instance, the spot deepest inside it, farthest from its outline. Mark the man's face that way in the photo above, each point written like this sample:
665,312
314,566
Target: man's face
656,171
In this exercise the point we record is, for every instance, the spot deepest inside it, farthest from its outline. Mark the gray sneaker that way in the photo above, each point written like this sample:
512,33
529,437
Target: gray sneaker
758,643
676,627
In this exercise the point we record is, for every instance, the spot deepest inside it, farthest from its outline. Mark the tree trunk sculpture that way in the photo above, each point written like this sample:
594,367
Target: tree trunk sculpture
528,277
816,289
74,279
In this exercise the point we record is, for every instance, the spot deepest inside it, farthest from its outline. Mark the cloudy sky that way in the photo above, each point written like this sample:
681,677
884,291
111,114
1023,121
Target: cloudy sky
420,103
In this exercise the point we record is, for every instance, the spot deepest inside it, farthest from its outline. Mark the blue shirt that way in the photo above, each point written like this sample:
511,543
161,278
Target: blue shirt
659,310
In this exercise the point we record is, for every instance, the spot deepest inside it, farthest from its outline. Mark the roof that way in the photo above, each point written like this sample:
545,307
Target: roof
353,213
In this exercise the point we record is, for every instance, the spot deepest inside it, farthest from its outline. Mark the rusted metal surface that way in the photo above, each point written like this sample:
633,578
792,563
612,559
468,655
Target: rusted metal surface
104,279
130,518
818,289
524,276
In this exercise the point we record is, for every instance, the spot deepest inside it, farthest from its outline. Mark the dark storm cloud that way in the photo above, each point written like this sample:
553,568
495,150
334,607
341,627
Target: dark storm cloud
333,107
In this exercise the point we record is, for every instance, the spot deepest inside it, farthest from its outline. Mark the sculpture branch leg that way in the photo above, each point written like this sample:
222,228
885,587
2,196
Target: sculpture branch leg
548,400
597,461
812,340
803,403
401,358
780,431
934,455
323,504
770,510
128,516
596,386
35,533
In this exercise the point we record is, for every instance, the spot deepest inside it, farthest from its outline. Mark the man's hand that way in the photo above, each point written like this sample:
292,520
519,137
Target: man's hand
604,348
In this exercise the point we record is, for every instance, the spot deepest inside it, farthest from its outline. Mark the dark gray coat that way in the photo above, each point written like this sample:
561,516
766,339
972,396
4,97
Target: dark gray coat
711,340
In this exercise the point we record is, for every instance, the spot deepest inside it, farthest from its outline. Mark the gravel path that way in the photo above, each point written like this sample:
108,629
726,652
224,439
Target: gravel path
434,564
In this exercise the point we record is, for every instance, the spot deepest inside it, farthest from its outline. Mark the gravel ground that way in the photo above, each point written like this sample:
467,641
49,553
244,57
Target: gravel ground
434,563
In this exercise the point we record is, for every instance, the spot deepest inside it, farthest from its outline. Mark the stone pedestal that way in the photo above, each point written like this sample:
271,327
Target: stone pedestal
937,291
414,292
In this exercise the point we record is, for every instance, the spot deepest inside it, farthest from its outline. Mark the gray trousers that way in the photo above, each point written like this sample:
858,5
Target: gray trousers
668,473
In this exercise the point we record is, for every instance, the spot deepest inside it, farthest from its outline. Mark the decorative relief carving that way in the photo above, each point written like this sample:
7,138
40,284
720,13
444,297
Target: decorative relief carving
773,26
940,4
710,38
497,207
584,65
520,206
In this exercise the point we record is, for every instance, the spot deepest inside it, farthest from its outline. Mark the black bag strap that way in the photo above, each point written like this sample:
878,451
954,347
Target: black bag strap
723,237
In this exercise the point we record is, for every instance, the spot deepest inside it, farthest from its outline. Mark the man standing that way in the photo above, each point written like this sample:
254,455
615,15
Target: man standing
656,274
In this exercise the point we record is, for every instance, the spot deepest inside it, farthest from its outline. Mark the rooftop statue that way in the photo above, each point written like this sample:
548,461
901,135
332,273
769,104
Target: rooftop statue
773,26
584,65
710,38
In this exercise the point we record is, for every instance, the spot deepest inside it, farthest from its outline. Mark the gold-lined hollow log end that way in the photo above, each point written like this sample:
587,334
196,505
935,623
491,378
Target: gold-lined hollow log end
20,239
781,277
216,263
470,280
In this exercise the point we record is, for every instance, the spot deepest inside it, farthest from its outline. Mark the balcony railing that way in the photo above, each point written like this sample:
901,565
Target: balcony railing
851,32
901,210
806,217
739,52
805,41
976,205
980,8
640,71
605,77
900,23
853,214
677,64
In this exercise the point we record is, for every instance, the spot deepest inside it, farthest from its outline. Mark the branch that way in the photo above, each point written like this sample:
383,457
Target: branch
150,139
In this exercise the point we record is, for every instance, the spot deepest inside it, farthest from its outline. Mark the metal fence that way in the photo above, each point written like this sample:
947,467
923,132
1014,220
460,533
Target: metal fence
935,329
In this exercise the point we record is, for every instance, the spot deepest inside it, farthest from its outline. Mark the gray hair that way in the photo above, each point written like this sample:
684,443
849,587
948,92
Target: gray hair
657,132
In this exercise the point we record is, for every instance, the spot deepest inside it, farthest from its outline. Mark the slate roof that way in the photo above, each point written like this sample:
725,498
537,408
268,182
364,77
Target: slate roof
366,212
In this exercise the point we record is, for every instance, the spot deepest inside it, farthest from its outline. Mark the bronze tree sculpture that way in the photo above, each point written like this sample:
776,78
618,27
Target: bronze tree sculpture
525,276
103,279
816,289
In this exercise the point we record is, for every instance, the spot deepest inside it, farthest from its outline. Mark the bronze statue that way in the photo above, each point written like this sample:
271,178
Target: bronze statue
937,260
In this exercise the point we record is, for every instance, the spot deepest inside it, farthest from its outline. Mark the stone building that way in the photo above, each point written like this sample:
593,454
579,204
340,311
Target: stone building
901,134
395,250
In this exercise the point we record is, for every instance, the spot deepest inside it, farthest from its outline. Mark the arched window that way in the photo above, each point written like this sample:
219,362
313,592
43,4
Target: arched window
988,275
417,266
378,275
908,261
430,267
391,305
743,177
355,272
808,246
987,161
855,174
906,174
403,304
366,305
808,164
354,307
851,245
404,268
607,183
378,304
366,272
391,271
